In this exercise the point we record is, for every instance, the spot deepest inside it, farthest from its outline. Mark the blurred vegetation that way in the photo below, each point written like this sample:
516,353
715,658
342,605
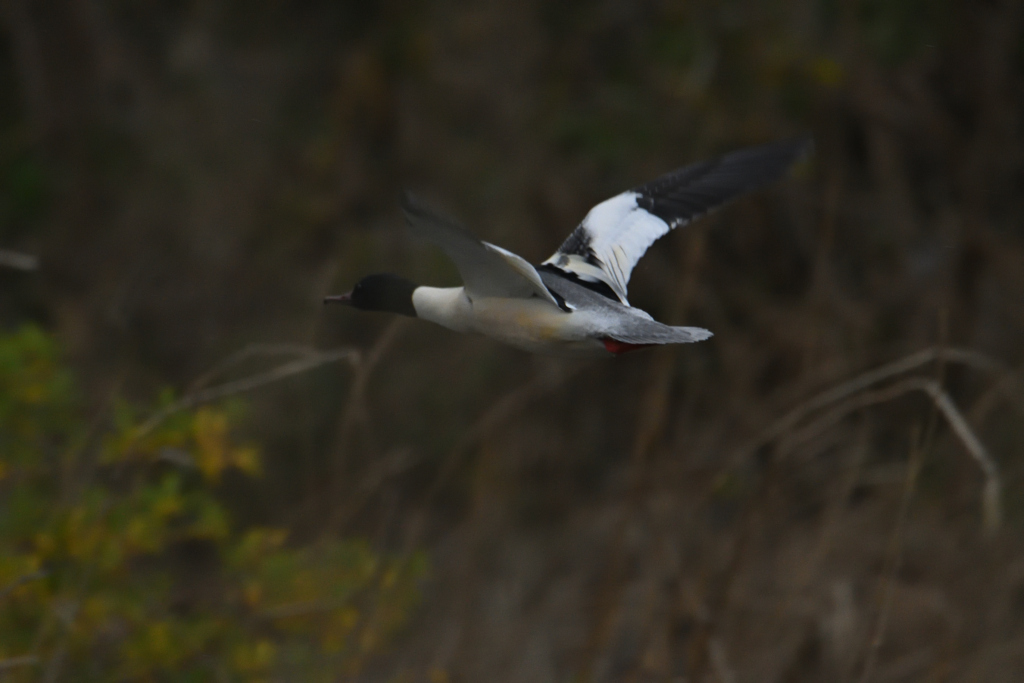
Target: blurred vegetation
194,175
129,567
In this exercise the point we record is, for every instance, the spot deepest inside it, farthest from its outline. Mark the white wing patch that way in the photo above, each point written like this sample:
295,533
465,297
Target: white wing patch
610,241
606,246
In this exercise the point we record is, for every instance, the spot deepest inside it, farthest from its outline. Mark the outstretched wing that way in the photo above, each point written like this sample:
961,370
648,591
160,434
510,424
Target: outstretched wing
606,246
631,326
487,270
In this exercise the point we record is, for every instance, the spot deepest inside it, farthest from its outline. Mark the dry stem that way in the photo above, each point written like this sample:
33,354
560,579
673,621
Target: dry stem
17,260
310,360
853,395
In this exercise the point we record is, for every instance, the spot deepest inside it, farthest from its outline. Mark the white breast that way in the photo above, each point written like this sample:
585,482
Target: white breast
446,306
530,324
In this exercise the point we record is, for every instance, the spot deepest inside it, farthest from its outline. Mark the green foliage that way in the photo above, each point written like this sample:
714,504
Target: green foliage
118,561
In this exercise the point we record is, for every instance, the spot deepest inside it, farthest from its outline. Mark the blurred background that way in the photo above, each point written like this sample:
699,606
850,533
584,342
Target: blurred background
206,475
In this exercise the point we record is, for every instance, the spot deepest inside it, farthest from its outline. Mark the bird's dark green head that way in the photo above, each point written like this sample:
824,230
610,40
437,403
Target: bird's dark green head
380,292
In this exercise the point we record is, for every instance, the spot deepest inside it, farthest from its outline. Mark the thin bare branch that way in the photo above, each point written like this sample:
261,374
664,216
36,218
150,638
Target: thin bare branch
797,437
720,661
252,351
991,497
992,492
17,260
245,384
21,580
18,662
355,410
895,558
391,465
1003,387
872,377
504,408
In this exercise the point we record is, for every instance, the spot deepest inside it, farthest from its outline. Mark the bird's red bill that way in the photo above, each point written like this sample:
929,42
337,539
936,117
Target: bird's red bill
345,299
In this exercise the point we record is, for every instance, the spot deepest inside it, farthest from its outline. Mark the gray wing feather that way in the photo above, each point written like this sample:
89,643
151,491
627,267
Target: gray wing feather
486,270
653,332
619,322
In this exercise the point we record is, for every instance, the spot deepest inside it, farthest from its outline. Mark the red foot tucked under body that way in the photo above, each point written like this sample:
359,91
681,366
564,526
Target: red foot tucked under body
615,346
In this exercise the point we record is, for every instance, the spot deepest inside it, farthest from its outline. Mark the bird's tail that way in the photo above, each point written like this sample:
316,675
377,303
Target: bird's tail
653,332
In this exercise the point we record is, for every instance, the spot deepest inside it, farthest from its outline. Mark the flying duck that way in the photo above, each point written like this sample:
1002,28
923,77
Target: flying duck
575,302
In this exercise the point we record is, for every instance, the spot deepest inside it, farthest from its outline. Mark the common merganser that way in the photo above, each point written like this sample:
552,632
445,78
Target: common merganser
575,302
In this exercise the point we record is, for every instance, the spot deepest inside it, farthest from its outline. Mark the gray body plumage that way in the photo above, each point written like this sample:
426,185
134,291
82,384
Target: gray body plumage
613,320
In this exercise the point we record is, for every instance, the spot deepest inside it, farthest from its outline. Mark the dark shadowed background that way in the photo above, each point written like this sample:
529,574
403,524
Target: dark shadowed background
194,177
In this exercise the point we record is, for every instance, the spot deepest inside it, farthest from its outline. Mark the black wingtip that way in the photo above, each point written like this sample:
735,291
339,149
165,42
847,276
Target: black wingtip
785,152
767,163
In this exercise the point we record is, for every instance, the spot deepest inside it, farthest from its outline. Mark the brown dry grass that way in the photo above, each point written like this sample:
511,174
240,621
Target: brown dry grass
826,491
